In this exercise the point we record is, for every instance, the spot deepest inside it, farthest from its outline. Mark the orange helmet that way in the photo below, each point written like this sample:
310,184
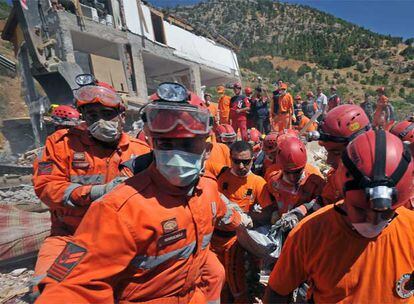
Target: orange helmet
176,113
376,171
220,90
64,115
283,86
102,93
341,125
291,153
225,134
270,142
254,136
404,130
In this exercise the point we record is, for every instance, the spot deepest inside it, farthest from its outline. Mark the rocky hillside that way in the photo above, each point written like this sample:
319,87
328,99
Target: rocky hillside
307,47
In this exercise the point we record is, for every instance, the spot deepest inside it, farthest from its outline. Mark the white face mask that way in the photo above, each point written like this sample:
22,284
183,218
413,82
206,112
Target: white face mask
178,167
104,130
369,230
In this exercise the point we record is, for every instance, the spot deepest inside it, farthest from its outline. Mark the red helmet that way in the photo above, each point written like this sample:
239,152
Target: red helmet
176,113
298,97
102,93
381,90
376,171
291,153
270,142
225,134
404,130
237,85
254,135
341,125
248,91
65,116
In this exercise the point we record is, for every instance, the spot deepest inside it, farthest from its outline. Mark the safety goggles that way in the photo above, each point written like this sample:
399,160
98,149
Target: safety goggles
241,161
97,94
163,118
228,137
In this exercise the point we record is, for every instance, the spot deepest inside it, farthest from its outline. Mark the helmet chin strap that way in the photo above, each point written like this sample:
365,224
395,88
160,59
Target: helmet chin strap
380,190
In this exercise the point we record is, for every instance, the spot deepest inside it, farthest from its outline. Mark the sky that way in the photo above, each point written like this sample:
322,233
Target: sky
389,17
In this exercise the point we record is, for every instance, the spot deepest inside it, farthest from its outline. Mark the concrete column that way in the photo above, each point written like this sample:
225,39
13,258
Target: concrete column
195,79
140,81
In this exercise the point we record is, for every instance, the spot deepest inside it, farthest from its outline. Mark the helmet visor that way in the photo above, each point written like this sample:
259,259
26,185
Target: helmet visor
97,94
165,118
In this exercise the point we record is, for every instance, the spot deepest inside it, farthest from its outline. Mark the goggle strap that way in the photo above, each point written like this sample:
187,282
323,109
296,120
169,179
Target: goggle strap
380,155
406,131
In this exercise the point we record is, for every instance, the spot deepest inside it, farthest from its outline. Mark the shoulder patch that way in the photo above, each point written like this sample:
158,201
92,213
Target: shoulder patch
45,168
66,261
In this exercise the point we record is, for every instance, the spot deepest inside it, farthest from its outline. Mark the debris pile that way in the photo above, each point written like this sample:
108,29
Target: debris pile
15,285
23,194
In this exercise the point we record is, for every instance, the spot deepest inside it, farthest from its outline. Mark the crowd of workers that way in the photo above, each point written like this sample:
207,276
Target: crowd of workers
170,216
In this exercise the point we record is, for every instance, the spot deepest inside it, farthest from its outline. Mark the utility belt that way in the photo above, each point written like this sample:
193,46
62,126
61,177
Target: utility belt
181,298
224,234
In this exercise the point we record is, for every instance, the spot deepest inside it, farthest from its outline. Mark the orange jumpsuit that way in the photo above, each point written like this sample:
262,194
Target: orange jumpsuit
304,120
213,111
330,193
224,109
219,158
380,118
147,241
243,191
289,196
342,266
284,116
71,162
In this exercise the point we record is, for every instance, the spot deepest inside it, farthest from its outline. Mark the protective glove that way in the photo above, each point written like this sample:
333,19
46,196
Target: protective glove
246,221
289,220
99,190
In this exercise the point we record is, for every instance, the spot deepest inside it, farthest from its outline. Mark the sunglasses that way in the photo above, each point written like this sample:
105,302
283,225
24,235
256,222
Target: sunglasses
241,161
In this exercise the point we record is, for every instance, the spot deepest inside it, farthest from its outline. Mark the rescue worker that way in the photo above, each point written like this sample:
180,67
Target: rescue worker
64,117
250,114
383,111
302,121
260,110
309,106
368,106
223,105
80,165
296,184
283,118
212,108
334,99
298,103
239,107
148,240
321,101
273,142
270,148
245,189
339,127
255,140
358,250
265,158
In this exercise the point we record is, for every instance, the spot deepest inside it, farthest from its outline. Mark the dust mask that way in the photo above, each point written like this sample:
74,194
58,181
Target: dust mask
369,230
104,130
180,168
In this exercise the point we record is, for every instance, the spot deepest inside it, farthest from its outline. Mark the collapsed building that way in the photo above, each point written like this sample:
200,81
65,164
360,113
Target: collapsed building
127,43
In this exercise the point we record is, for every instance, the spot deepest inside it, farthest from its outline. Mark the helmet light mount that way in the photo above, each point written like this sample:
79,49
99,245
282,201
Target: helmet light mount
172,92
85,79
